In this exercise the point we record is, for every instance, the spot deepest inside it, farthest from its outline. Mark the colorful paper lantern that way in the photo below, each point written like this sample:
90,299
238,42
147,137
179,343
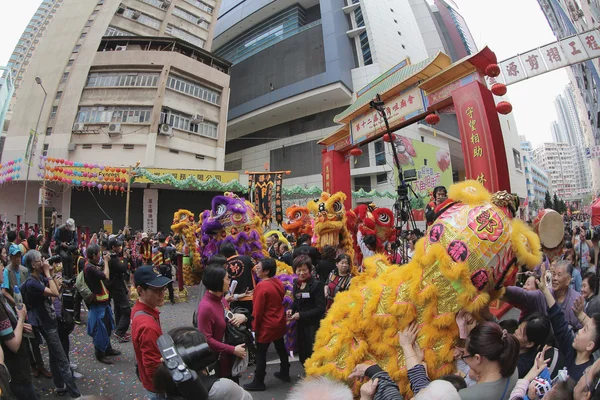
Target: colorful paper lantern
432,119
504,107
499,89
492,70
356,152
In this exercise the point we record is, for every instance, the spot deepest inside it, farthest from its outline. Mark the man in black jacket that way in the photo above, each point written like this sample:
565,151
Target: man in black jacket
305,248
118,290
239,268
66,243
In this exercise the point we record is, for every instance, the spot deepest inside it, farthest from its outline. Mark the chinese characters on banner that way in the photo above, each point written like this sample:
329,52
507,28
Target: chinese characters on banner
278,205
481,137
260,188
400,108
570,50
181,174
150,210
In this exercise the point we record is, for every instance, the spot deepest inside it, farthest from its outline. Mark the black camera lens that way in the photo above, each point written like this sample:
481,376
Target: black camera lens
197,357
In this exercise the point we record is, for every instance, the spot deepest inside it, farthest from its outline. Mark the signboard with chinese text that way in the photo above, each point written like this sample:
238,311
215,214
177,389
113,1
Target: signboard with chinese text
150,210
46,197
107,224
202,176
400,108
533,63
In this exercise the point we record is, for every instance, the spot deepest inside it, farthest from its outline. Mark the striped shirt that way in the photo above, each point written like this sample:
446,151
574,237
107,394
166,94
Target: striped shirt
387,389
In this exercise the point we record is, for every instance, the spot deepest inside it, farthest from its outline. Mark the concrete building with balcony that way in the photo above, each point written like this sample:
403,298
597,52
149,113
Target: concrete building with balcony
558,161
126,81
536,179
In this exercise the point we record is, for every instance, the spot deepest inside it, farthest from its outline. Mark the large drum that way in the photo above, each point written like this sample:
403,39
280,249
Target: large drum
550,228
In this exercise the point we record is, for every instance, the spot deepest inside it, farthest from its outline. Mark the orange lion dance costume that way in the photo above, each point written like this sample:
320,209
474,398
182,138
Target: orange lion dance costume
464,261
299,221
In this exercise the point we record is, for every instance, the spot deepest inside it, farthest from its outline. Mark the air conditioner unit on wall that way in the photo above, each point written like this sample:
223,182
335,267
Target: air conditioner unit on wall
121,48
166,3
72,146
165,130
197,119
201,20
114,129
136,15
78,127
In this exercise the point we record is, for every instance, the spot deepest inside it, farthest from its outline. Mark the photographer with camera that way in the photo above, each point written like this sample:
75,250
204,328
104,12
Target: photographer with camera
191,346
100,318
37,292
66,243
145,325
118,290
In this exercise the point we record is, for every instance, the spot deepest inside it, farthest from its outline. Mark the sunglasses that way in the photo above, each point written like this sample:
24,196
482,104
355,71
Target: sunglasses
463,357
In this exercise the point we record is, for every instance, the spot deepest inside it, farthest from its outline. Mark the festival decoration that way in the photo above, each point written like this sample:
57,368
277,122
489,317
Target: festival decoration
356,152
371,220
83,175
260,187
504,107
499,89
330,222
467,257
298,221
492,70
185,227
213,184
10,170
432,119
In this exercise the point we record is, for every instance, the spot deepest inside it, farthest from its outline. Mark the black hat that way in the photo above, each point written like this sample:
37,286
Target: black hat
437,188
114,243
147,276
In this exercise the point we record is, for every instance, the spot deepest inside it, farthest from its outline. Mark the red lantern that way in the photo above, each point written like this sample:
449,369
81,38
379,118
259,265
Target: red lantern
432,119
356,152
504,107
122,189
123,171
386,138
492,70
499,89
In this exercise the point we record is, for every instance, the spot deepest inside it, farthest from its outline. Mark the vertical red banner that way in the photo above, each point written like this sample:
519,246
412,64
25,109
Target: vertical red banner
481,136
336,175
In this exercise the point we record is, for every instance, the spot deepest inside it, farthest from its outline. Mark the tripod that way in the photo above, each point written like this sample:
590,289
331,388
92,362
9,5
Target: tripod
402,208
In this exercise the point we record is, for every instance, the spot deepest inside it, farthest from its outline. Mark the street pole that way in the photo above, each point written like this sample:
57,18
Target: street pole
44,205
129,175
38,80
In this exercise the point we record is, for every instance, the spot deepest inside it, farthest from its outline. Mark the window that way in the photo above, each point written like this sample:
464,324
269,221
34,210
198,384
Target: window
94,12
100,2
112,31
184,122
49,131
58,95
142,18
181,34
89,23
199,157
190,17
128,147
403,47
395,21
399,34
193,89
380,153
53,112
382,179
155,3
86,146
76,48
517,157
106,79
107,146
70,63
173,151
64,77
391,9
365,48
107,115
84,34
362,182
201,5
46,147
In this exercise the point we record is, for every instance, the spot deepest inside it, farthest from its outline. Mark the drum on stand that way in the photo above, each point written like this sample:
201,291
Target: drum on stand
550,228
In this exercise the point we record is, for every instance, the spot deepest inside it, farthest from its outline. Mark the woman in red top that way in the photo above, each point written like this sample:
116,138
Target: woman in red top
211,319
269,324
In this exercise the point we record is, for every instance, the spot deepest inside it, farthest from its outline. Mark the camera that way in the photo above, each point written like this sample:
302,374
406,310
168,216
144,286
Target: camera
54,259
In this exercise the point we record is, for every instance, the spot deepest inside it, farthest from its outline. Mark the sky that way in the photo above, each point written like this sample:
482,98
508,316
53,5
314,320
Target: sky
509,27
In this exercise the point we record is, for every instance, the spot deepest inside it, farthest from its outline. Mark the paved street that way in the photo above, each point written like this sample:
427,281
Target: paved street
119,381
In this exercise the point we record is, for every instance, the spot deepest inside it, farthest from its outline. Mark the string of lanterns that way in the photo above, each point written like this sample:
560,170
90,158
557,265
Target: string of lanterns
10,170
84,175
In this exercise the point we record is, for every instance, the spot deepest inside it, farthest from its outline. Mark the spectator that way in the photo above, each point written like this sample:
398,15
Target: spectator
211,321
530,284
576,349
320,388
340,278
326,264
216,259
14,346
308,307
304,248
217,388
588,385
4,256
589,291
522,385
118,291
529,302
533,333
492,355
66,241
271,241
37,292
286,254
367,244
23,242
14,274
269,324
239,268
145,325
582,249
100,318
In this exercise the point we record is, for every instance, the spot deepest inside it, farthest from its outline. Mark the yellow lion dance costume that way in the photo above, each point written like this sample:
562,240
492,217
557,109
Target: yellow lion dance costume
466,258
184,225
330,222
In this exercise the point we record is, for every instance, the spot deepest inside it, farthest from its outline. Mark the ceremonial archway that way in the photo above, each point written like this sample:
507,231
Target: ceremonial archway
410,93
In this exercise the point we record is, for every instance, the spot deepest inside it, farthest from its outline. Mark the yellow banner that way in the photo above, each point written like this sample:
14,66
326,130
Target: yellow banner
181,174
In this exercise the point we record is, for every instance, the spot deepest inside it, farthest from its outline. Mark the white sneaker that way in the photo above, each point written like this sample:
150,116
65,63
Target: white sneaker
73,366
77,375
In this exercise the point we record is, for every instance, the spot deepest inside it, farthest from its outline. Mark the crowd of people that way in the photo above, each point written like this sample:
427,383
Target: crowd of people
551,351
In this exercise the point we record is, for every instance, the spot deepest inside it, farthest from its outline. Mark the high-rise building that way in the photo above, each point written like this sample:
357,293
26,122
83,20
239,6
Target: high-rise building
559,162
569,127
454,31
7,89
126,80
569,18
536,179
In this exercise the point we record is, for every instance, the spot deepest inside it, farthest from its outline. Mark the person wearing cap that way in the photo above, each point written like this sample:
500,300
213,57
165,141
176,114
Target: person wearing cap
118,290
100,318
146,249
14,273
66,242
145,324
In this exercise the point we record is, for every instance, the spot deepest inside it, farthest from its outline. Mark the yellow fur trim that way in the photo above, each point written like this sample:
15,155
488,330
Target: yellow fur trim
469,192
526,244
280,236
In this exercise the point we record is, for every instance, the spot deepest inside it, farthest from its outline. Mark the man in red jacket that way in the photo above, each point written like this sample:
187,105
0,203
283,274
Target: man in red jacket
268,323
145,326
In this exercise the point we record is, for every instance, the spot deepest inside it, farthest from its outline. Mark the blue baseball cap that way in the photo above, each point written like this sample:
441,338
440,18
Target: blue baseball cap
14,249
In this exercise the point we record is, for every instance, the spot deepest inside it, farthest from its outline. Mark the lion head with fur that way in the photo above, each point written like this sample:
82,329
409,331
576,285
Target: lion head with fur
330,222
299,221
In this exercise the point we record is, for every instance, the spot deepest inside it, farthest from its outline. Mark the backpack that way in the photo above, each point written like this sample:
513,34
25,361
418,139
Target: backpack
83,289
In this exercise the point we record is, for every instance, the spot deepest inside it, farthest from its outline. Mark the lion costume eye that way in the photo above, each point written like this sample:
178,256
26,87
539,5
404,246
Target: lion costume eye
384,218
337,206
297,214
221,208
